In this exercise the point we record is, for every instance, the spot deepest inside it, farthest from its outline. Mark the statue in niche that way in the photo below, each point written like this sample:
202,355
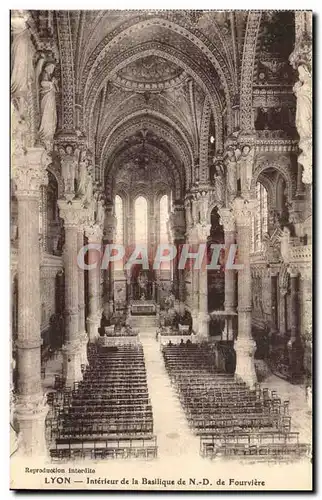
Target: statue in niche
68,168
231,169
82,174
303,92
100,215
89,191
267,247
203,208
245,169
188,214
22,50
47,96
194,213
219,183
143,285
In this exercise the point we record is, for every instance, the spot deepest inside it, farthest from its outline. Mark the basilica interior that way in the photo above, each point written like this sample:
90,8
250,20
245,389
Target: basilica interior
174,127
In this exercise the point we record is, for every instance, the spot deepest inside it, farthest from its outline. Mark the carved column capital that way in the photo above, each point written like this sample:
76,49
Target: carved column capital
29,172
94,233
227,219
72,212
243,210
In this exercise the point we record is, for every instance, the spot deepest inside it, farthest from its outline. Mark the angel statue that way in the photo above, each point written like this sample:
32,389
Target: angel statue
231,169
203,207
47,96
89,191
100,215
22,50
246,169
68,168
219,184
303,92
82,174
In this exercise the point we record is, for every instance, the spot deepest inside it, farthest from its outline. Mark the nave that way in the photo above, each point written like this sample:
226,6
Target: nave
147,400
189,131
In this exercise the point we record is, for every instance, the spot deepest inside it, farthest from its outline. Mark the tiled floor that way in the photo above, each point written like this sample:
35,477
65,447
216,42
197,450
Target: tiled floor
299,409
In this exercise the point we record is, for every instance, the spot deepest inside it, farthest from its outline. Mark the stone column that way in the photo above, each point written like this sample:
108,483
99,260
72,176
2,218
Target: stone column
203,232
282,308
43,218
81,300
29,172
71,212
94,235
274,324
244,345
294,282
178,229
294,345
306,317
109,236
228,222
231,173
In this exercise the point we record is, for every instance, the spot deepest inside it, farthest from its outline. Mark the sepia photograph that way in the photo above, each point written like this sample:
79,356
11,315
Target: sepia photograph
161,250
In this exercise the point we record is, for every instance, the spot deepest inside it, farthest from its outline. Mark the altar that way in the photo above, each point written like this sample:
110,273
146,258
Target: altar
143,307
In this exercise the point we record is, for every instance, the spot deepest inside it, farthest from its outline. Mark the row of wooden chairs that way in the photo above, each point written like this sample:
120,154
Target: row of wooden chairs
231,419
112,401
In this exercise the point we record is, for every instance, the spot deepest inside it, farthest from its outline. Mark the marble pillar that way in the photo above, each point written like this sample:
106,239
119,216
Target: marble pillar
203,232
274,309
108,238
195,299
194,294
29,172
295,348
244,345
94,235
71,212
228,222
81,300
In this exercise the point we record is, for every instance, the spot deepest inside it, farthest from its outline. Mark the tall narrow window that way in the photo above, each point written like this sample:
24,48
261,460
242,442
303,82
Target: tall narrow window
164,218
260,218
119,236
141,221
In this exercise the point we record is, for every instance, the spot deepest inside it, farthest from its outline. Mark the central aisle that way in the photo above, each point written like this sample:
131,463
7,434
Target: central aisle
170,425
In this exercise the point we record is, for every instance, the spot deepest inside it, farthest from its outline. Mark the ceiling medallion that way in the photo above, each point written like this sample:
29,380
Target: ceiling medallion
150,73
